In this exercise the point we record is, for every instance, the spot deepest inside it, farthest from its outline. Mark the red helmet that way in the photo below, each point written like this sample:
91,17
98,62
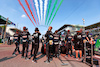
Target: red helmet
68,30
78,31
56,31
24,28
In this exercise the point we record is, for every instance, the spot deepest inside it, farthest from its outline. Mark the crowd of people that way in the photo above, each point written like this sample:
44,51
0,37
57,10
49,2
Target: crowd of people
53,43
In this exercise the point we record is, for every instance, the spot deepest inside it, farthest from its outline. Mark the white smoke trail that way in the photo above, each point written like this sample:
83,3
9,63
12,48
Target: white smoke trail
37,8
45,8
41,8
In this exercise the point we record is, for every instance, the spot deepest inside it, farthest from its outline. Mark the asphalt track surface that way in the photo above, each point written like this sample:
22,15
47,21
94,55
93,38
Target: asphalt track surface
7,60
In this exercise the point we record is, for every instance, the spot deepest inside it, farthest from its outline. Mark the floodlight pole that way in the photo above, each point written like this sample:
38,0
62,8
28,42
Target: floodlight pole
83,24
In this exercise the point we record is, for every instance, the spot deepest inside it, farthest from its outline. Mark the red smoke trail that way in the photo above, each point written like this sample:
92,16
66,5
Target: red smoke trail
30,10
34,11
25,11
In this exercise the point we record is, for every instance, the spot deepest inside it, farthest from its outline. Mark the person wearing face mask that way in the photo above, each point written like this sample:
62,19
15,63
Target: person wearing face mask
49,41
35,43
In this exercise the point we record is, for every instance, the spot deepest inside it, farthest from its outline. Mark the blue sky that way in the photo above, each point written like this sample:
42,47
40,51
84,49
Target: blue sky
70,12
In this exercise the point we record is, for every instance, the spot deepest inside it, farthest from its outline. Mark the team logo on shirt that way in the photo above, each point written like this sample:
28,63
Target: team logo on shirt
15,37
51,42
69,37
51,36
24,36
78,36
56,43
56,38
24,40
84,35
89,35
36,35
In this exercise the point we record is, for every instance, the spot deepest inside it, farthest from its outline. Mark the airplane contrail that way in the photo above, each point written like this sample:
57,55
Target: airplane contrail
37,8
54,6
45,8
30,10
48,10
56,11
41,8
25,11
34,10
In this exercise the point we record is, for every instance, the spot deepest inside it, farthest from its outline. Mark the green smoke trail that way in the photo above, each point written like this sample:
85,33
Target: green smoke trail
50,1
52,11
56,11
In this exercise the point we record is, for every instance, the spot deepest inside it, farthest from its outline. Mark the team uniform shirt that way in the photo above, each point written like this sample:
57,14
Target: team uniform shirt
16,37
56,39
68,38
78,41
25,36
49,36
35,37
83,36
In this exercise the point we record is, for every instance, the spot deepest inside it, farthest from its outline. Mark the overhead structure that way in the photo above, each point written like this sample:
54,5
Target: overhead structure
3,21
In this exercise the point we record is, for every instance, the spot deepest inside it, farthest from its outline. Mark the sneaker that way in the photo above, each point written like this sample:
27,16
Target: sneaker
30,58
76,58
13,54
34,61
31,55
47,61
26,58
66,56
55,56
81,59
19,52
51,59
22,57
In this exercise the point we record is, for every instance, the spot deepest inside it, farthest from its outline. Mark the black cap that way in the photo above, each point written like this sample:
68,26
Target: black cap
36,29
